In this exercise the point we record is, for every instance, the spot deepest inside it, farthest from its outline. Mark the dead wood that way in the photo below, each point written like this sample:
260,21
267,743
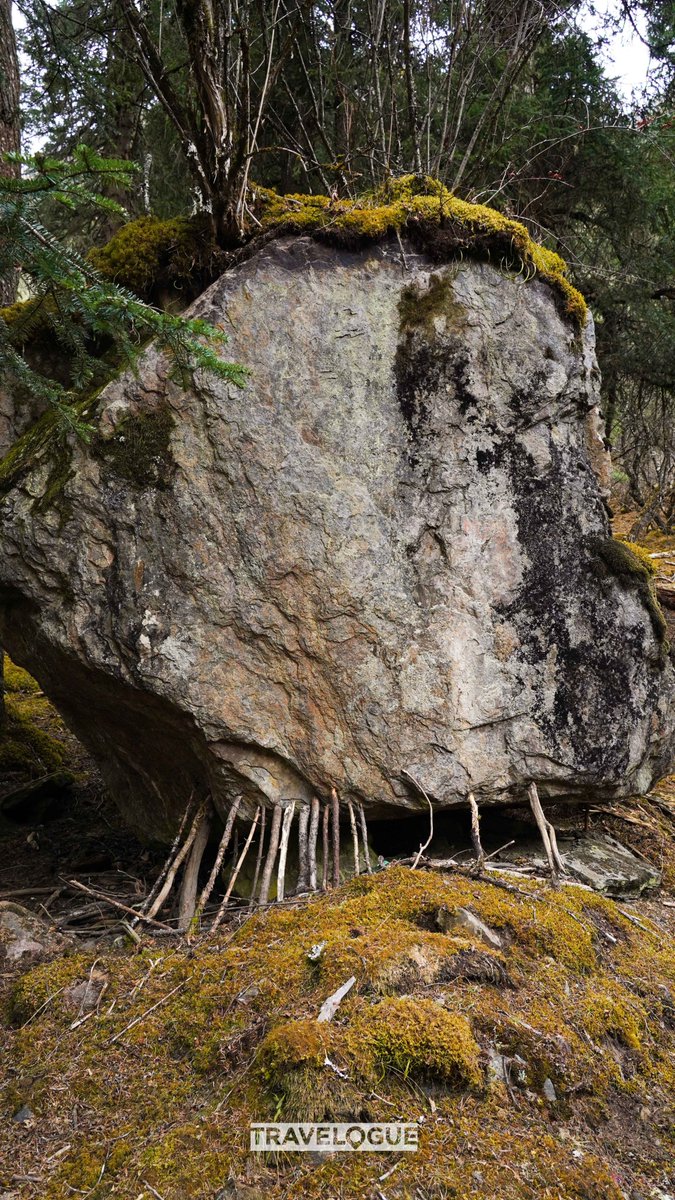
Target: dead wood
275,830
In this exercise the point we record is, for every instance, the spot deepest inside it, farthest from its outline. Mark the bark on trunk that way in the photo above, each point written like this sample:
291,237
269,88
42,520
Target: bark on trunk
9,141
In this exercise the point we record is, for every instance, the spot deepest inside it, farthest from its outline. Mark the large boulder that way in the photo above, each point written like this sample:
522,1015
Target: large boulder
388,553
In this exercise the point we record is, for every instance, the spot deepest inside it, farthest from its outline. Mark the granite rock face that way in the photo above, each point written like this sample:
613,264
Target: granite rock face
384,554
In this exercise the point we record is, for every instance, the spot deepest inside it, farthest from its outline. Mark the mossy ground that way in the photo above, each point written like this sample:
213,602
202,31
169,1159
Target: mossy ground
32,738
190,1043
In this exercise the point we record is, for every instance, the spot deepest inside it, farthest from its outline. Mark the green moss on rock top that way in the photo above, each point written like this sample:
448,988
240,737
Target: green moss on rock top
435,219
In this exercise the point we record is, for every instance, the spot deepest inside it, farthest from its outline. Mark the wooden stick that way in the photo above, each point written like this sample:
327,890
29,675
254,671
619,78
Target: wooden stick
258,859
335,808
364,839
422,792
324,836
118,904
233,879
555,862
303,850
172,852
224,843
355,838
475,834
177,862
188,889
283,850
271,855
312,840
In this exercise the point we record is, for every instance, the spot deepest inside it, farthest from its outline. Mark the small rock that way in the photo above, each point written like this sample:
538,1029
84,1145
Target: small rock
448,920
24,938
85,995
23,1115
549,1091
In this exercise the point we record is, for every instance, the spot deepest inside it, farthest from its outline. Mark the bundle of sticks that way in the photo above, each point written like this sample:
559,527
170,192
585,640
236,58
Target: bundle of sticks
314,818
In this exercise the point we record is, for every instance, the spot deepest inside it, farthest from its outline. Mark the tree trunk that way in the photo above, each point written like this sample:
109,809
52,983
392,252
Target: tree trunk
9,119
9,141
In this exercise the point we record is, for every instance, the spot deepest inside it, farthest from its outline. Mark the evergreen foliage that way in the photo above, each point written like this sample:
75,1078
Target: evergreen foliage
96,324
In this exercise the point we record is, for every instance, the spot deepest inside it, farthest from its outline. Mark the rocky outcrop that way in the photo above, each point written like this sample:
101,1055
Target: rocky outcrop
388,553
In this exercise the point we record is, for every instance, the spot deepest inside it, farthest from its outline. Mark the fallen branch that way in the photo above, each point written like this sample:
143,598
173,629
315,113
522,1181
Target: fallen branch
133,912
283,849
233,879
137,1020
475,834
222,848
418,787
275,830
331,1005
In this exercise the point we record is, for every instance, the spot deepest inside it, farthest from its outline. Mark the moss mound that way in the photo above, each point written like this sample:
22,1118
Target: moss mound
29,745
162,261
191,1043
437,221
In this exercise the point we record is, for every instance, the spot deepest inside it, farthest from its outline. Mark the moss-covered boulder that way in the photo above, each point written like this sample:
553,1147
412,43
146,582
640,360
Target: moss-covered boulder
388,554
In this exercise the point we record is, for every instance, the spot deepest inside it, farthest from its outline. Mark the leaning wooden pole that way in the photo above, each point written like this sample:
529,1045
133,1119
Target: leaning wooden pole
168,862
355,838
258,857
335,813
233,878
547,832
475,834
325,847
275,830
177,862
312,840
283,850
303,850
224,843
364,839
187,901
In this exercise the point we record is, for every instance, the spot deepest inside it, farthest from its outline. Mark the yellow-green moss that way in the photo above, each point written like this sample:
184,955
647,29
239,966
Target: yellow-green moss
150,257
416,1037
18,680
641,553
25,748
426,210
157,1069
636,569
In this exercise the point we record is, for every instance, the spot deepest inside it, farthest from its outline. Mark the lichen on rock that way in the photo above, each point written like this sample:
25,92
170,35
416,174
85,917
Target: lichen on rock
377,557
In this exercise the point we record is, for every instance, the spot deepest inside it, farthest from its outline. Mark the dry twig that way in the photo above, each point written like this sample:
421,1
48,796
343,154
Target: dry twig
418,787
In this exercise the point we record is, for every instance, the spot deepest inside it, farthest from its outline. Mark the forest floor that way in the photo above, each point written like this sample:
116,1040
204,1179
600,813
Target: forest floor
542,1066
